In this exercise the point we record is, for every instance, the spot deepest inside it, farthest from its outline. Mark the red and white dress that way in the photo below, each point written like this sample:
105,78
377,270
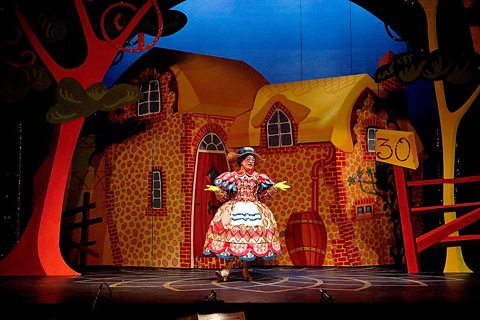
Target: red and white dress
243,225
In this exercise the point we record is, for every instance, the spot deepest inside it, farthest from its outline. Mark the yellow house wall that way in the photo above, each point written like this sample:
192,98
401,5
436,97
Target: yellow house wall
373,234
144,237
140,236
147,237
294,164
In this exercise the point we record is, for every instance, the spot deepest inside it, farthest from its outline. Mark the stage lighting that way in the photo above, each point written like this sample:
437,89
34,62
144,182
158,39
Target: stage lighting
325,298
212,297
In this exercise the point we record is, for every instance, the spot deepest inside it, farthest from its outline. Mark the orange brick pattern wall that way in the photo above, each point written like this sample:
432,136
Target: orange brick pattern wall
159,237
142,237
147,238
373,234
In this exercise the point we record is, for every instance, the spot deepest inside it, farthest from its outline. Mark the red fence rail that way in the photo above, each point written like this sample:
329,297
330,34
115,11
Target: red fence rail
440,236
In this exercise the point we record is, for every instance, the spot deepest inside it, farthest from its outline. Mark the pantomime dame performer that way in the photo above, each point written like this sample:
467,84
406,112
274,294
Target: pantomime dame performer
243,226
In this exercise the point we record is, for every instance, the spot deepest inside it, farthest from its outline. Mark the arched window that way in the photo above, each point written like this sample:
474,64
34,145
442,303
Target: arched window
151,102
211,142
279,130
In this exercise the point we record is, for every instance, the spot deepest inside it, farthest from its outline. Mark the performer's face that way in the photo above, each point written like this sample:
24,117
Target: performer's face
248,163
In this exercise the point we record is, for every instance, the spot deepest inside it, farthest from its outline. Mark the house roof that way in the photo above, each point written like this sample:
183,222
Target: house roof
217,86
322,109
206,84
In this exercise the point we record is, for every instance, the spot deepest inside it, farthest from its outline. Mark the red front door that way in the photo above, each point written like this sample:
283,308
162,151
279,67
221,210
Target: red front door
209,166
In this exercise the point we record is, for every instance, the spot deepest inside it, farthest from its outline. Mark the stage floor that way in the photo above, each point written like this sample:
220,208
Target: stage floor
274,292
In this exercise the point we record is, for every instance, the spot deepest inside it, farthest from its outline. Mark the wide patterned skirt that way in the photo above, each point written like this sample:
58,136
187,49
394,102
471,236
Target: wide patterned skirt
244,229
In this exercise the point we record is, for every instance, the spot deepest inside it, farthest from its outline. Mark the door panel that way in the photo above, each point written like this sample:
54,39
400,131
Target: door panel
209,166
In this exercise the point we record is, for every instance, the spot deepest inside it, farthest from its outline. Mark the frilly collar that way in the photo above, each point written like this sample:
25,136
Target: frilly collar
249,173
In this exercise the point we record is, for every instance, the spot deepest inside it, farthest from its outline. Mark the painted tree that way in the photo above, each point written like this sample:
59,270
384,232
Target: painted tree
449,122
80,93
446,67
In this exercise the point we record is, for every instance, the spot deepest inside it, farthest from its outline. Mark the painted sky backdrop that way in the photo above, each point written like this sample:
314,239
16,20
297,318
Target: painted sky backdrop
284,40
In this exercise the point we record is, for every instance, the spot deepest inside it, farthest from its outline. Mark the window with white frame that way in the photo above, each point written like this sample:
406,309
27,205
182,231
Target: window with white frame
360,210
364,210
211,142
371,137
368,209
279,130
151,101
157,201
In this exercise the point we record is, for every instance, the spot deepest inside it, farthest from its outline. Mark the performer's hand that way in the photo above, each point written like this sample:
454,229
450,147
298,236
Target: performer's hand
212,188
281,185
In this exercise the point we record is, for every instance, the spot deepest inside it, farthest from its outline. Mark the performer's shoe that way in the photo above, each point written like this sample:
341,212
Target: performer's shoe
246,276
224,273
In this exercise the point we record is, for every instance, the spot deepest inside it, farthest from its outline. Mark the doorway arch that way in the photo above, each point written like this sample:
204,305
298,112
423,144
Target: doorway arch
210,162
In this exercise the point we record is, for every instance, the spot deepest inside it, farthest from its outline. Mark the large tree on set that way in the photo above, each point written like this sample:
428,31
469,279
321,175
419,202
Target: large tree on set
444,41
76,42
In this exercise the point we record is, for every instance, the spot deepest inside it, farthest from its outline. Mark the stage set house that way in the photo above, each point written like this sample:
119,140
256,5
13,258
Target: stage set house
148,206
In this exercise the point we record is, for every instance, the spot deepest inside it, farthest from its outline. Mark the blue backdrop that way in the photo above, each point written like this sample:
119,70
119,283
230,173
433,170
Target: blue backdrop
285,40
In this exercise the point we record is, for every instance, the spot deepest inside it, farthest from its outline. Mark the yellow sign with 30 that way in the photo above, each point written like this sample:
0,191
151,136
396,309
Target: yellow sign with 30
397,148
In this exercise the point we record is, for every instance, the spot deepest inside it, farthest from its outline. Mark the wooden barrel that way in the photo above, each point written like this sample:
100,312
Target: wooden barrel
306,239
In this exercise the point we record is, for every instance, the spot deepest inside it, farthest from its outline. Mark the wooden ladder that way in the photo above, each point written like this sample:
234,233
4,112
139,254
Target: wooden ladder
440,236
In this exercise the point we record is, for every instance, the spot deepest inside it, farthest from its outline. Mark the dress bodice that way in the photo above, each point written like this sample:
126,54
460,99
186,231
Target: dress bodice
247,187
243,186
